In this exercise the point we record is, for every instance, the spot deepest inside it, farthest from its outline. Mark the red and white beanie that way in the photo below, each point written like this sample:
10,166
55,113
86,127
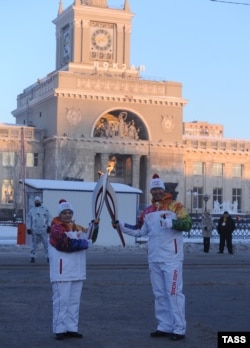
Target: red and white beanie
156,182
64,205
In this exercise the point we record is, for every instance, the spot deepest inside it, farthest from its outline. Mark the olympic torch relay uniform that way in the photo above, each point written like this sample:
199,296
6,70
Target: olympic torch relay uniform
67,256
67,251
163,223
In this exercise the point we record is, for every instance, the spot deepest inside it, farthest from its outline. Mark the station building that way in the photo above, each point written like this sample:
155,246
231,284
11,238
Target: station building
95,110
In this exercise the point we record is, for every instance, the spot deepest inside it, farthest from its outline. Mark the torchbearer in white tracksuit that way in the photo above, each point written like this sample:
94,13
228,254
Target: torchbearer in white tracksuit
67,258
163,223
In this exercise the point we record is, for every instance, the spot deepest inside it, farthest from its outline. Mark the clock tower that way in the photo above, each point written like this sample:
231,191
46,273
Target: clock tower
97,109
90,35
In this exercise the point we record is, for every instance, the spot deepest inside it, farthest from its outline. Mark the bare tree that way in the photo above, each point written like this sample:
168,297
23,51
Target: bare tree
65,159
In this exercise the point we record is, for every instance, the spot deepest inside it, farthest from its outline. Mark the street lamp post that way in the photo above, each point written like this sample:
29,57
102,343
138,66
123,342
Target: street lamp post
206,198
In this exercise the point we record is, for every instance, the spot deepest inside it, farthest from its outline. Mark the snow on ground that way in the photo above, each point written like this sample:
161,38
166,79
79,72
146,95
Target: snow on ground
8,235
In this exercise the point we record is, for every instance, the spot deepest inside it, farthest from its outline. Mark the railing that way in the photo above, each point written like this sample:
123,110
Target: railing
242,231
11,222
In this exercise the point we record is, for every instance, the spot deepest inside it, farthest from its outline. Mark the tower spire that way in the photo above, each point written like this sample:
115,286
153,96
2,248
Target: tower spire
60,8
126,6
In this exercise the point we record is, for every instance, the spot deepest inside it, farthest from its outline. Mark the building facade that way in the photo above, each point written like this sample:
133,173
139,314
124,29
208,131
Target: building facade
94,110
21,155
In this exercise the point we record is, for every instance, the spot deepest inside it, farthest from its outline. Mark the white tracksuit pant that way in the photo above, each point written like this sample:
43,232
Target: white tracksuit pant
167,283
66,305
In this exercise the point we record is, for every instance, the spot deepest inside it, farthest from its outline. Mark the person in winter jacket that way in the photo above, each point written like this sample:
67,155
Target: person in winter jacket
163,223
38,226
207,228
225,228
67,258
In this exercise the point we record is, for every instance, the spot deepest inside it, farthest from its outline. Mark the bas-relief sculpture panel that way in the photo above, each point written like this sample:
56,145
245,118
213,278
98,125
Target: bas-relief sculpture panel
120,124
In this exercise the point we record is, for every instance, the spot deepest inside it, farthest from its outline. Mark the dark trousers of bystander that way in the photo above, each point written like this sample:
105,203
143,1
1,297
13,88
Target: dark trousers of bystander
226,237
206,244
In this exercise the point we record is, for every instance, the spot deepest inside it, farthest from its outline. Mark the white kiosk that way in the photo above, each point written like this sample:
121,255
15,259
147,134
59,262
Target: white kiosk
79,194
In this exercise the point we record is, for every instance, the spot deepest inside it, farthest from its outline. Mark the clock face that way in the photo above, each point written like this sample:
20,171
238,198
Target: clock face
101,39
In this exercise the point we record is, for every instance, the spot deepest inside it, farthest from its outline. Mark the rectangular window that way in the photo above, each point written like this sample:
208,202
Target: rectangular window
194,143
196,195
242,147
236,200
31,159
234,146
198,198
35,159
4,132
198,168
237,170
217,169
217,198
8,159
214,144
203,144
222,146
7,191
28,133
14,133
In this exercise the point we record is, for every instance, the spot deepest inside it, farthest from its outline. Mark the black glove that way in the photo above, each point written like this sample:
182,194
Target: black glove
48,229
29,231
115,223
96,229
95,234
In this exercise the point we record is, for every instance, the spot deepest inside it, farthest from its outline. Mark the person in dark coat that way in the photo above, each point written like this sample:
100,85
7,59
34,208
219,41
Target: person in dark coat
225,228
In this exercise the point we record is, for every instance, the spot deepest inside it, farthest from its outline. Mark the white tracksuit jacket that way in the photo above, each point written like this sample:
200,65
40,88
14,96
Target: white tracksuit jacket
164,243
67,266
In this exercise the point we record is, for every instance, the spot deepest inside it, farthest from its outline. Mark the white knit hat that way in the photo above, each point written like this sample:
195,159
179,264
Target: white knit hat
156,182
64,205
37,199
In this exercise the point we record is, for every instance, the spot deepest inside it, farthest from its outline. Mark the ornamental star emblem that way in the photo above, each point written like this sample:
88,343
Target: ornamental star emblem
73,116
167,123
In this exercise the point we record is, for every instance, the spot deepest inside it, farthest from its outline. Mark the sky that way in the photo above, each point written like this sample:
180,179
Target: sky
202,44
